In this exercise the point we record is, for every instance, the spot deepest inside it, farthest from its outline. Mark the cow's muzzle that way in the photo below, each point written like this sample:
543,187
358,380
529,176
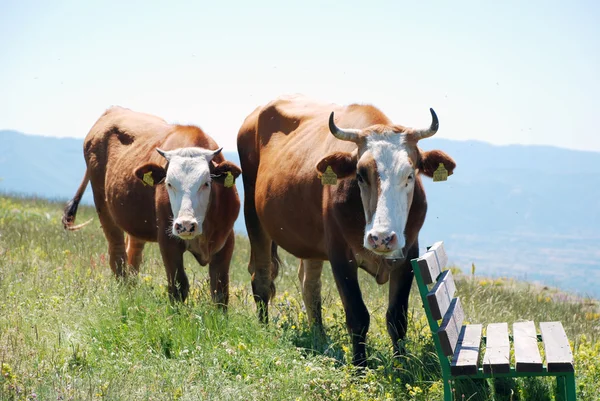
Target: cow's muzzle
186,228
386,244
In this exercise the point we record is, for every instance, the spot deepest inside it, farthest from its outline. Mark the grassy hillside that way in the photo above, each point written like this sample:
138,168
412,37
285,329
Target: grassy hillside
70,331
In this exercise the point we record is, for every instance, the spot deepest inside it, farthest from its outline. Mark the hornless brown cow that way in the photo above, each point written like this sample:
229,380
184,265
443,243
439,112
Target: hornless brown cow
162,183
370,219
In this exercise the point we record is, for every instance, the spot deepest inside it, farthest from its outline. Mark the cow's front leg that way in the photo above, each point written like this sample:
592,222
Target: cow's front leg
401,278
172,254
218,271
345,272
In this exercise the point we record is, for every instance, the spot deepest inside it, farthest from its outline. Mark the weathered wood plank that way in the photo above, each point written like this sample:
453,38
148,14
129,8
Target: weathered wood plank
527,353
559,357
497,349
466,357
440,253
449,330
430,269
441,295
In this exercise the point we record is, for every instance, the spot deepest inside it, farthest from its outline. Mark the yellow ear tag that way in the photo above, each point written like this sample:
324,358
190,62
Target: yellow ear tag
329,177
441,174
148,180
228,180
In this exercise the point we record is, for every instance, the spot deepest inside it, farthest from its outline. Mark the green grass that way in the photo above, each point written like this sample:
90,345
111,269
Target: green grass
70,331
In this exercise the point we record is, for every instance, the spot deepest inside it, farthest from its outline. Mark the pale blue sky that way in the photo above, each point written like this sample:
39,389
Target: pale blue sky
502,72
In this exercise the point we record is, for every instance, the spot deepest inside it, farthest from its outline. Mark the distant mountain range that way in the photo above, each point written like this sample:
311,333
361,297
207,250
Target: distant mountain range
530,212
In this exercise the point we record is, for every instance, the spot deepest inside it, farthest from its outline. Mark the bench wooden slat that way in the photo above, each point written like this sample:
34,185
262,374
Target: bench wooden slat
450,328
497,349
441,295
466,357
527,353
440,254
559,357
430,269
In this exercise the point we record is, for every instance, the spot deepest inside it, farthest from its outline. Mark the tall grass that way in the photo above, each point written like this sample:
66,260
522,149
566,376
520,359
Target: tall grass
70,331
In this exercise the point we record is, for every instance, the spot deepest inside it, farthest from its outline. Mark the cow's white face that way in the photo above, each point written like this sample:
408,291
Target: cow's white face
188,182
386,178
386,163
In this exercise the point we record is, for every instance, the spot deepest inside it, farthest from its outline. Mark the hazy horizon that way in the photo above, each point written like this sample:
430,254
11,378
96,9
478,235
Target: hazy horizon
449,139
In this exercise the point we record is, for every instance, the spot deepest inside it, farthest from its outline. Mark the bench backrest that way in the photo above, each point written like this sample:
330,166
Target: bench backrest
439,301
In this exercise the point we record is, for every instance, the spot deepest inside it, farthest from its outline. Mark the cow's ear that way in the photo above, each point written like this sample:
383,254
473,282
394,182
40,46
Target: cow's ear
221,171
343,164
151,174
431,160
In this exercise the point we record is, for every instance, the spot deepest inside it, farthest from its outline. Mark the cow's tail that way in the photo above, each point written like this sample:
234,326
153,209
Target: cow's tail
275,261
71,209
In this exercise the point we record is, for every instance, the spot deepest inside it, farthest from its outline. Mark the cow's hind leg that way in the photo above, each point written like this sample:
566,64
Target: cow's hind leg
264,263
114,236
116,248
309,274
263,270
218,271
135,249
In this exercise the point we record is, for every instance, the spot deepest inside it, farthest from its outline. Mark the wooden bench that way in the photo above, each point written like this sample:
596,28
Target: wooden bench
459,346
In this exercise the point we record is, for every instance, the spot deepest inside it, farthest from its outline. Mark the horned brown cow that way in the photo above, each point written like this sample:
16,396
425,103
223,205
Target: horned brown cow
165,183
370,219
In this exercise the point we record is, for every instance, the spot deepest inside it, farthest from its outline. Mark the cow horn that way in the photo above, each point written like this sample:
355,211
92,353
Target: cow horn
163,153
352,135
427,132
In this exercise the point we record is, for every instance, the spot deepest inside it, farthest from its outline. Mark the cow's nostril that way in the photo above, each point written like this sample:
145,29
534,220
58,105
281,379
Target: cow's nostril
192,228
178,226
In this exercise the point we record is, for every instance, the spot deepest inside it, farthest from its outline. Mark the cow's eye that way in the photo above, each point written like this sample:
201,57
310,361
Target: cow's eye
169,185
207,184
359,178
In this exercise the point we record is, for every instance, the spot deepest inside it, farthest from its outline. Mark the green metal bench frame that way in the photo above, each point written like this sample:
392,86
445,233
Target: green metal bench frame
458,346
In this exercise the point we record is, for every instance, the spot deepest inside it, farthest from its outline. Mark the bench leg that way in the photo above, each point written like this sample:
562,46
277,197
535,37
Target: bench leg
571,389
447,390
561,390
